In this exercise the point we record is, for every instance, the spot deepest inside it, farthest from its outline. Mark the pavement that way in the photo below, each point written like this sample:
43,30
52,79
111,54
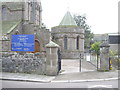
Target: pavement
70,73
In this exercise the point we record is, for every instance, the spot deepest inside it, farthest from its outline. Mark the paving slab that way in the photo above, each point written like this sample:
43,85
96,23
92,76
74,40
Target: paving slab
26,77
86,76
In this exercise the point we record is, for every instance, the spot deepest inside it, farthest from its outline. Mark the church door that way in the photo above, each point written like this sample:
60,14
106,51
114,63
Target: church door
37,46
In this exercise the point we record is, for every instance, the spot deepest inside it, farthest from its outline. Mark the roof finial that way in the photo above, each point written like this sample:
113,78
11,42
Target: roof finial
68,6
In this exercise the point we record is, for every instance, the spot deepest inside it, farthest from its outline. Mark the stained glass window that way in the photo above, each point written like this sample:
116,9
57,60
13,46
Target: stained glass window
65,42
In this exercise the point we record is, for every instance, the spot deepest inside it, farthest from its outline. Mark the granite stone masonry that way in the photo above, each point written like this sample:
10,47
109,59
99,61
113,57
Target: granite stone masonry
23,63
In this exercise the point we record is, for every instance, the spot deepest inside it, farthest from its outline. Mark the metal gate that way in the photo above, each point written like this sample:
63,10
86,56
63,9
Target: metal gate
59,60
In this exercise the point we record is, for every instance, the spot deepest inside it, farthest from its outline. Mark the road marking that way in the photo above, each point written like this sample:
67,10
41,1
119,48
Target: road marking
100,86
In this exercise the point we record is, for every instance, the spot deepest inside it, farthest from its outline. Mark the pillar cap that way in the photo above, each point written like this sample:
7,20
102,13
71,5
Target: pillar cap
104,45
52,44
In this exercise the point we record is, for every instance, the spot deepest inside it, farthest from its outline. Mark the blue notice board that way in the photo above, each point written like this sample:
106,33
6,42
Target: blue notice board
22,43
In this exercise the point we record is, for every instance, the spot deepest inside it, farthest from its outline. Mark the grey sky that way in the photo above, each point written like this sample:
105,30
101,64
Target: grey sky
102,15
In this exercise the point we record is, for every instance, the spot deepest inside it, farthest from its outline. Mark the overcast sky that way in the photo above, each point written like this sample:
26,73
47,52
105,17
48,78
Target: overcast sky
102,15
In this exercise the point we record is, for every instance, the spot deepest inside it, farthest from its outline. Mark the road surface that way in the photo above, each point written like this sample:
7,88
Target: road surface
22,84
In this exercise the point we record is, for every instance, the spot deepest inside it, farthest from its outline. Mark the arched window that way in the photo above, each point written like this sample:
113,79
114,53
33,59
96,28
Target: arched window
39,16
28,10
53,38
77,43
32,10
4,12
65,42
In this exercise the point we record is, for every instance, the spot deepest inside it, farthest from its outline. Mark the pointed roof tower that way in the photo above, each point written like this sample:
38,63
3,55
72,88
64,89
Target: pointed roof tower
68,20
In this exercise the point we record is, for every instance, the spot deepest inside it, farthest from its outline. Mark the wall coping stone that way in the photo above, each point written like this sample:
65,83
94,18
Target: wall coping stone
52,44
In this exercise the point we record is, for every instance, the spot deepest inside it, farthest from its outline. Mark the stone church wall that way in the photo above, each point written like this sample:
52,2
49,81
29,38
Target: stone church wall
67,29
71,32
11,15
42,35
6,45
23,63
6,42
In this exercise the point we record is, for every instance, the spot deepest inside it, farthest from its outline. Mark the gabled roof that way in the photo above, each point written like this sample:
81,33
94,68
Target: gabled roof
68,20
8,26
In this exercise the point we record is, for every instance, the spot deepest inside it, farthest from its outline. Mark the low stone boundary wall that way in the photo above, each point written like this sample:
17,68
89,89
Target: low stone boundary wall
26,63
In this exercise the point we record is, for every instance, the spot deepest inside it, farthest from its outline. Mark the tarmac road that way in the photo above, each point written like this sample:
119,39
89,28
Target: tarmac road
96,84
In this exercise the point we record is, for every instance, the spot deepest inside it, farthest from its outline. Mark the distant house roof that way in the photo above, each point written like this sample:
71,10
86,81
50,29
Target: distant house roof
116,34
114,39
8,26
68,20
100,37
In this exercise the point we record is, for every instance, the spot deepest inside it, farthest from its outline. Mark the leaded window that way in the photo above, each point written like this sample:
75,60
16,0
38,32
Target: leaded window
77,42
4,12
65,42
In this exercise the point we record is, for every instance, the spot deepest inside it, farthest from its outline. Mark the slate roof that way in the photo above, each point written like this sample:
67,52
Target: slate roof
100,37
68,20
8,26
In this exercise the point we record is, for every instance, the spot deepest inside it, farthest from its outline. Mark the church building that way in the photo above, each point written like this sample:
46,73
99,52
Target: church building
26,18
69,37
23,18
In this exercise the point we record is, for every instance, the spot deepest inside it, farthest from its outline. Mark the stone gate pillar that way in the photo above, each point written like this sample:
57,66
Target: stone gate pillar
104,56
52,58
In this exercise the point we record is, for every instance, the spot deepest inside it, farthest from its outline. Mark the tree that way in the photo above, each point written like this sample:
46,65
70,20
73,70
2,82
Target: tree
95,47
81,22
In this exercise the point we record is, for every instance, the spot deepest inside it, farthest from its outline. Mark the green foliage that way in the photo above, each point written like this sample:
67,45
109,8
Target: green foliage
88,38
113,52
96,47
114,56
81,22
103,70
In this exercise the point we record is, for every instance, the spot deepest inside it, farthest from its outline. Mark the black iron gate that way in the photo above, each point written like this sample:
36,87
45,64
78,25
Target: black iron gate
59,60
